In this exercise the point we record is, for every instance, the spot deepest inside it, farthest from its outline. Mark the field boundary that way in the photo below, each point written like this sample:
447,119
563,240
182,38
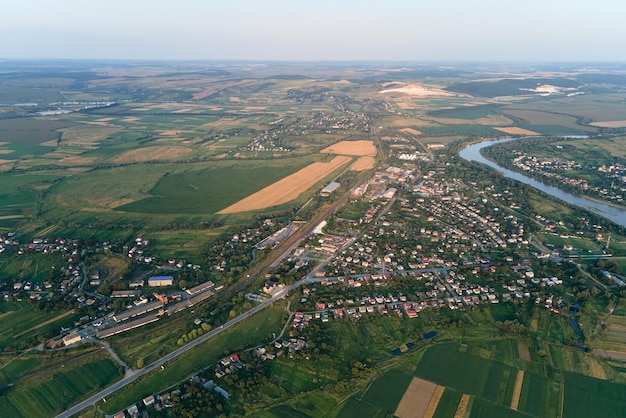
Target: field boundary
359,148
287,188
416,399
517,390
463,403
434,402
43,324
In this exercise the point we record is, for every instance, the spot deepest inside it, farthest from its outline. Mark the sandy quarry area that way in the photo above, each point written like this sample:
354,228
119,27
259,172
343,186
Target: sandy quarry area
288,188
512,130
413,89
358,148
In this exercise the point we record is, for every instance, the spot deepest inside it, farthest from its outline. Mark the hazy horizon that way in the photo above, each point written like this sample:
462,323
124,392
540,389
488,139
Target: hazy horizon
280,30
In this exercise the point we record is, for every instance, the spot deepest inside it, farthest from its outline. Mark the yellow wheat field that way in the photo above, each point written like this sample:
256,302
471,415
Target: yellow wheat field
512,130
288,188
363,163
359,148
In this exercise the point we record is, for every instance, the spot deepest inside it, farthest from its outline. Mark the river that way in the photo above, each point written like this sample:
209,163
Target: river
472,153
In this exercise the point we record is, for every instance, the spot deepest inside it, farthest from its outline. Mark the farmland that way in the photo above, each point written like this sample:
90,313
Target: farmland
288,188
139,171
200,132
48,394
22,323
206,191
257,329
585,396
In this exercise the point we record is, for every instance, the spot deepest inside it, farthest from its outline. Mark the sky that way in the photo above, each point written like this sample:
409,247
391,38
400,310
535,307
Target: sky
312,30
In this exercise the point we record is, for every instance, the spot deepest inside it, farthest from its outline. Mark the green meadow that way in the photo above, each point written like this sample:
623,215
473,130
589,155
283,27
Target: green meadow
52,393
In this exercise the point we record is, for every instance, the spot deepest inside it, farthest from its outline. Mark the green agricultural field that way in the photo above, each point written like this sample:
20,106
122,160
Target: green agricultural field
483,408
553,328
502,311
48,395
182,244
316,404
357,409
386,392
284,411
448,403
20,192
620,309
587,397
164,190
21,366
535,396
578,244
468,112
35,267
25,93
207,191
549,208
15,368
21,322
610,107
297,378
459,129
30,130
445,365
21,153
555,129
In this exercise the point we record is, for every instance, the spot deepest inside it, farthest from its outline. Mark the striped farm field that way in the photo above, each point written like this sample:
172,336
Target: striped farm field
288,188
47,396
417,399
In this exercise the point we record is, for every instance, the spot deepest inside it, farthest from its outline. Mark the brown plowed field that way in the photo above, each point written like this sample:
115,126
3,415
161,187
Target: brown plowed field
416,399
434,402
522,351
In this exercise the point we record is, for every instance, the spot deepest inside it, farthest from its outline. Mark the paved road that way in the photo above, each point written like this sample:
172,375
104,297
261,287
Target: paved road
283,250
131,376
